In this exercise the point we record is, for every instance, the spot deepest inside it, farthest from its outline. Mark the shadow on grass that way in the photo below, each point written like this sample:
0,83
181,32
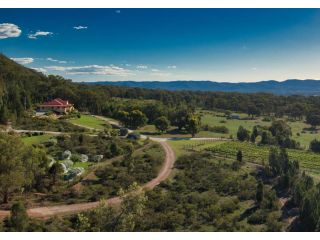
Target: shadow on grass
175,131
310,129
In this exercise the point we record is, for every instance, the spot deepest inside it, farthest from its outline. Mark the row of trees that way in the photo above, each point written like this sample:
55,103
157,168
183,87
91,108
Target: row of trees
279,133
305,194
182,119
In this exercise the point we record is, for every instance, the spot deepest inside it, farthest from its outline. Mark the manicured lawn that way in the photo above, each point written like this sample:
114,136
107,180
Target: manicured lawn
89,121
36,139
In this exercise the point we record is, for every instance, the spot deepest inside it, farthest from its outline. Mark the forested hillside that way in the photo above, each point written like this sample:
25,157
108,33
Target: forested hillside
21,88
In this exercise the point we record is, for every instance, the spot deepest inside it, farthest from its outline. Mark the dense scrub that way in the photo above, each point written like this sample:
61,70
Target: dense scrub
140,167
46,124
204,195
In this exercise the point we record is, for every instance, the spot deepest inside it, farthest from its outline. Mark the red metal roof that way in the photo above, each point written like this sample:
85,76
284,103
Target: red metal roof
57,102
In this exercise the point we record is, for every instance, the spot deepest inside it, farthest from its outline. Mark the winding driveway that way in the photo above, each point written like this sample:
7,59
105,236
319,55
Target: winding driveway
49,211
164,173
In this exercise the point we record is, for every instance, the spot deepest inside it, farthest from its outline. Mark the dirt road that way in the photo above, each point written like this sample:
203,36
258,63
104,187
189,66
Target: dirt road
49,211
45,212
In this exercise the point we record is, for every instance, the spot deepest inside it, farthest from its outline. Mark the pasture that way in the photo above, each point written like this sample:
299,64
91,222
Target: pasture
300,130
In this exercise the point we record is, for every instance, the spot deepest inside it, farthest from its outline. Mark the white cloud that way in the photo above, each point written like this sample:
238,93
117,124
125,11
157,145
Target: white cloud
38,34
80,27
55,60
160,74
254,69
110,70
9,30
172,67
142,67
42,70
155,70
25,60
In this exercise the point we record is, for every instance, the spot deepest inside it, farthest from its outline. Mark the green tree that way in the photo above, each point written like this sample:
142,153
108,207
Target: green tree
239,156
19,220
313,118
132,208
309,213
123,117
243,134
115,149
82,223
4,114
137,119
55,173
193,124
274,164
35,164
162,124
101,219
259,192
315,146
272,222
296,110
281,131
129,148
12,168
179,118
153,111
81,139
253,110
254,134
280,128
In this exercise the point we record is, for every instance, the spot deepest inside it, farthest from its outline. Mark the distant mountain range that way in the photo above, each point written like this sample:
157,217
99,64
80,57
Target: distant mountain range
288,87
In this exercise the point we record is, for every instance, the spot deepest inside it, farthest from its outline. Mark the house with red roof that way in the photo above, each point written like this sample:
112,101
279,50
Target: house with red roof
57,105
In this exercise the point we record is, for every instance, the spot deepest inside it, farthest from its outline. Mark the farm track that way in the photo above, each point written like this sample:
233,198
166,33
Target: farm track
46,212
164,173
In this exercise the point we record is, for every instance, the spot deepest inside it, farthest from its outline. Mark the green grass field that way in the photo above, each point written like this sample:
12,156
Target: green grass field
89,122
299,129
36,139
216,119
305,136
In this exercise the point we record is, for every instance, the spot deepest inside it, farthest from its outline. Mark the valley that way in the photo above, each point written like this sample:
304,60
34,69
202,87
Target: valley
159,160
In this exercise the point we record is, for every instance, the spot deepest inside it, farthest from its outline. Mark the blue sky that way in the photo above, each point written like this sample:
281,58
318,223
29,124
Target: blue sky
222,45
